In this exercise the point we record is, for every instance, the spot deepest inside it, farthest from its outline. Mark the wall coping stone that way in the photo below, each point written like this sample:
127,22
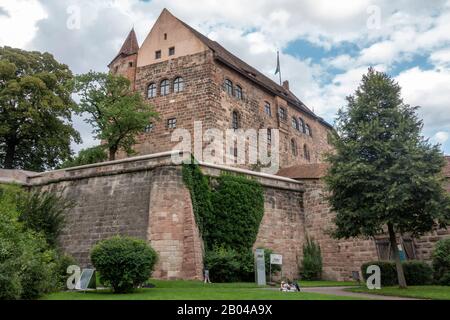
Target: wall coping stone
134,164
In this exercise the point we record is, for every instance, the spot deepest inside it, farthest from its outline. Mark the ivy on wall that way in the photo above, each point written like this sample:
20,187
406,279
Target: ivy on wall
228,211
228,214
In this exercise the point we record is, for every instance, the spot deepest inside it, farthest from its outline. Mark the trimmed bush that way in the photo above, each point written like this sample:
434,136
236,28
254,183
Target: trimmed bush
123,263
416,272
387,269
441,262
311,267
228,265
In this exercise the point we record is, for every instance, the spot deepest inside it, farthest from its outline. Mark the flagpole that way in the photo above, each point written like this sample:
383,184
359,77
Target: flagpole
279,65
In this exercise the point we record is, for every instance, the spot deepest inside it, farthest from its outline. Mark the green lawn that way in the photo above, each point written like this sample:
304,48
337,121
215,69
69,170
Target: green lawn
423,292
196,290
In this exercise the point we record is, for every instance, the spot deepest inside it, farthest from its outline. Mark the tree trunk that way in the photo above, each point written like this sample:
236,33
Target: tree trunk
398,263
112,154
10,153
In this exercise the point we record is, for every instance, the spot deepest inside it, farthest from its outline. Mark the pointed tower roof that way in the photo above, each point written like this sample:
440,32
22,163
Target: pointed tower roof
129,47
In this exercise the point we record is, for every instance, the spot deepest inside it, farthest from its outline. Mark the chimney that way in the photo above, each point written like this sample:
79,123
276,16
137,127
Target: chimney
286,84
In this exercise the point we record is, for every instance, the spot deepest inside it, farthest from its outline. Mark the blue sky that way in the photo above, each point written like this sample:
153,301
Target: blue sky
325,45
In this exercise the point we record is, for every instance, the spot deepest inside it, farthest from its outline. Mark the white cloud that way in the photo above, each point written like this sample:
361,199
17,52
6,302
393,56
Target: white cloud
254,30
441,137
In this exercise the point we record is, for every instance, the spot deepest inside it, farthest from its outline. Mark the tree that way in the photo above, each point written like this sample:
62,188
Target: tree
35,110
384,176
116,112
87,156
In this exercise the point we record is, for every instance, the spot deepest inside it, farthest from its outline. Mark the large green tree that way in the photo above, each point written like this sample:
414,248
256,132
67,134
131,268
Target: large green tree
116,113
35,110
384,176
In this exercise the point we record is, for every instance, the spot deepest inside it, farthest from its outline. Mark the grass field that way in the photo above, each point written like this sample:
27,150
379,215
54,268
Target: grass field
422,292
196,290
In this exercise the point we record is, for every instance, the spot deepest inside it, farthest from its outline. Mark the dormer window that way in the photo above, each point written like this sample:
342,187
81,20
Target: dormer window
158,54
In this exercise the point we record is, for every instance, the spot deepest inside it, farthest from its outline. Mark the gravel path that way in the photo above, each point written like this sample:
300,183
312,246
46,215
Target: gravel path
339,291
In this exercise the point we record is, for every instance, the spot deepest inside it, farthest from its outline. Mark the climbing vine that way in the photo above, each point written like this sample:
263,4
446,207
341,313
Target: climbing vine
228,211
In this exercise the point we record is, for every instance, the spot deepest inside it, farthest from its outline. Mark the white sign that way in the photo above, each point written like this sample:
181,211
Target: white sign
276,259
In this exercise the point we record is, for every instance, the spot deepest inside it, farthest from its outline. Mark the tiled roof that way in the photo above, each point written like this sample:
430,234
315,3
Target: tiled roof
129,47
233,62
305,171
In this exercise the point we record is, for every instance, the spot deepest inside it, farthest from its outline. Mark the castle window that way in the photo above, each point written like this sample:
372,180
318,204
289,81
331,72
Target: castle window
238,92
172,123
306,152
158,54
130,64
148,128
116,68
267,109
165,36
228,85
151,91
165,87
235,120
282,113
294,123
171,51
301,125
294,147
307,130
178,85
269,136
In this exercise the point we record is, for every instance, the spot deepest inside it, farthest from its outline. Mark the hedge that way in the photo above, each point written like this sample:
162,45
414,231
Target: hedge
416,272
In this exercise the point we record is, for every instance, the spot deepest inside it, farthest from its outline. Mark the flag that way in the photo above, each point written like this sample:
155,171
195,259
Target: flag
278,63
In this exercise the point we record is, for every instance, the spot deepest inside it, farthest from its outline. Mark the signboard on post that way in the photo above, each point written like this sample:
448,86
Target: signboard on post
87,280
276,259
260,268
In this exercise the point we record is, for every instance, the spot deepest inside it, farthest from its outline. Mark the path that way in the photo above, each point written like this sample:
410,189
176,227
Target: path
339,291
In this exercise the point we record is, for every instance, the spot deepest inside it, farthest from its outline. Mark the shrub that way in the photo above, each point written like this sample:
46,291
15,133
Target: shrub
26,262
228,265
441,262
311,267
124,263
44,211
87,156
416,272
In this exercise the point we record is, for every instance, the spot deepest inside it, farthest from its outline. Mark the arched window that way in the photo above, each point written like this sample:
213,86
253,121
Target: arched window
269,136
301,125
238,92
294,123
267,108
228,85
307,130
151,90
235,120
306,152
294,147
178,85
165,87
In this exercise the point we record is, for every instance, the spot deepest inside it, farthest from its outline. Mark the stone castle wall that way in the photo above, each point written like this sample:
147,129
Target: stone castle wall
145,197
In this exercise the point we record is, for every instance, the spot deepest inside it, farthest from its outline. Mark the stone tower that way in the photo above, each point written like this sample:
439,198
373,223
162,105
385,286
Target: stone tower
126,60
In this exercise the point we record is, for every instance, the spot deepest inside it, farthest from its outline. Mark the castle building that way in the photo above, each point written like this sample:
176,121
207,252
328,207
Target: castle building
187,77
